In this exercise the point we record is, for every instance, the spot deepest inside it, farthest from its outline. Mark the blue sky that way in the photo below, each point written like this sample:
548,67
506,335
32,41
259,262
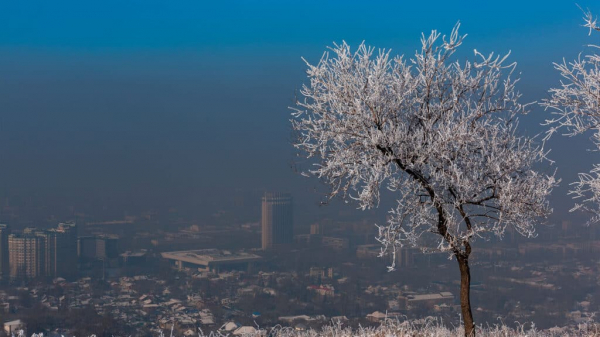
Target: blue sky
171,101
273,25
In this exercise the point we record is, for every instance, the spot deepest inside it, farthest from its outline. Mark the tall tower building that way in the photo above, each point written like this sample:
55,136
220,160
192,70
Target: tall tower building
60,250
44,253
315,229
4,261
108,247
26,256
86,247
98,247
277,220
68,249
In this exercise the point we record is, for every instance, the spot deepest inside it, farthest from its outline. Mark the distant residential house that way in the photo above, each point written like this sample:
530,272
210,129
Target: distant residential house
270,291
428,300
13,326
339,319
376,316
305,318
290,319
324,290
228,327
206,317
245,331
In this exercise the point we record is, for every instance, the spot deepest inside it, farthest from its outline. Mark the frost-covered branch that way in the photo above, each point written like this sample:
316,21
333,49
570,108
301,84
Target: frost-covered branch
440,134
575,106
591,21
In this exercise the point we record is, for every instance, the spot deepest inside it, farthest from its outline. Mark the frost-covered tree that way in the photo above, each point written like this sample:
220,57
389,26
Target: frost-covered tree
576,108
439,134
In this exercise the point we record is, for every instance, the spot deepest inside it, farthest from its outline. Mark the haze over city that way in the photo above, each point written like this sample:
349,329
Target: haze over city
146,107
160,127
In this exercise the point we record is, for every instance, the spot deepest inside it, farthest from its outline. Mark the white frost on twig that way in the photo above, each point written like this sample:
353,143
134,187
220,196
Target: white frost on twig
575,107
440,134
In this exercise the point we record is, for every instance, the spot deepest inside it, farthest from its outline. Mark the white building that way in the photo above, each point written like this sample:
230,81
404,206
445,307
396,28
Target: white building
277,220
211,259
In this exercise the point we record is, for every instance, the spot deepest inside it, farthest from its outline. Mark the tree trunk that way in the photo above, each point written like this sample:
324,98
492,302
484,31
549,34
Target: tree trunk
465,295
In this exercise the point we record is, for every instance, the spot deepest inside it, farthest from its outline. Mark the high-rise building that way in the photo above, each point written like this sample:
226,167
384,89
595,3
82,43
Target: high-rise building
64,262
98,247
44,253
26,255
315,229
49,251
277,220
4,261
86,247
108,247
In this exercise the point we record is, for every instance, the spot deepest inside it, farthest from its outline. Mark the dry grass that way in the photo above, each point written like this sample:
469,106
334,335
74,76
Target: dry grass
429,327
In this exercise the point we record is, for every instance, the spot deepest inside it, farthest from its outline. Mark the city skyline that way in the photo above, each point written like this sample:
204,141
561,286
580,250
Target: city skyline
35,253
156,163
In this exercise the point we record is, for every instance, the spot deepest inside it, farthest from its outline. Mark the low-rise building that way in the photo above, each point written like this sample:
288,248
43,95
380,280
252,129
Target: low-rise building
211,259
427,299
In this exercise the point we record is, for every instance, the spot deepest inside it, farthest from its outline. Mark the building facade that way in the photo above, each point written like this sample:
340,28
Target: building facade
4,261
44,253
60,252
26,256
214,260
65,263
86,248
277,220
98,247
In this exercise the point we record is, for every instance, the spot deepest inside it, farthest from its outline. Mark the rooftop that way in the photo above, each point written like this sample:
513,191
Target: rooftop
205,256
427,297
